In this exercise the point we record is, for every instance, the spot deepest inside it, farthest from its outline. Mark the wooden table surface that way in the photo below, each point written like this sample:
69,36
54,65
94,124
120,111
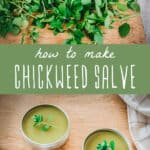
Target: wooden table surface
86,112
111,36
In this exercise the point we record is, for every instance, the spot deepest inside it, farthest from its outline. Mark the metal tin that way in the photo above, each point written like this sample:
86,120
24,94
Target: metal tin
51,146
108,129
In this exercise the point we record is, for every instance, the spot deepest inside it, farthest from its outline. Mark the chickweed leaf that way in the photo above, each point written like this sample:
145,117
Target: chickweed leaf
34,35
107,22
37,119
39,122
79,18
98,38
122,7
135,6
99,2
17,21
124,30
106,146
112,145
86,2
45,127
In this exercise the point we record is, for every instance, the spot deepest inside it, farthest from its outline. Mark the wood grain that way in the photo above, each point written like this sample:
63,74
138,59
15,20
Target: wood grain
86,112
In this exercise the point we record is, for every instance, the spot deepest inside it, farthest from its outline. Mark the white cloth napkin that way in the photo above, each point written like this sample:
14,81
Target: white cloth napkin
145,13
139,119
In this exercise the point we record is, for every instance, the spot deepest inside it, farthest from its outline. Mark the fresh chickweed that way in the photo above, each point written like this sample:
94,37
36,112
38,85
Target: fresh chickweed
106,146
38,121
79,18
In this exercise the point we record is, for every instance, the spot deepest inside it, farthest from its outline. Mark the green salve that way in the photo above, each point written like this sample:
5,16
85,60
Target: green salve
99,136
59,122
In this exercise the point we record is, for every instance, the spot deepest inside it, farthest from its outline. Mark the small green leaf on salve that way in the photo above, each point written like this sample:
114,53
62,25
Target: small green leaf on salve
106,146
45,127
40,122
112,145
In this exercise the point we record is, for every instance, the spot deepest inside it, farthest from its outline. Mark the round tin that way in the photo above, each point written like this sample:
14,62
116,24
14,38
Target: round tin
108,129
50,146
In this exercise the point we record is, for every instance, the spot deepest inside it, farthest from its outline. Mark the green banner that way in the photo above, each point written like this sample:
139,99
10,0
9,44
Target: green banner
72,69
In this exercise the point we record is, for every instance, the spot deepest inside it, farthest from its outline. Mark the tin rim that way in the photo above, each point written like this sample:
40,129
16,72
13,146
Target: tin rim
108,129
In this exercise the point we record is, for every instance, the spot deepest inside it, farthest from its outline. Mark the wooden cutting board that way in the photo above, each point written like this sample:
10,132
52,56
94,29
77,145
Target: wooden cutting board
111,36
86,112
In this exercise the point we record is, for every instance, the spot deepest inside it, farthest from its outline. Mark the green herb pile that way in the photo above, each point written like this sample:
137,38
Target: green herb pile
40,123
79,18
106,146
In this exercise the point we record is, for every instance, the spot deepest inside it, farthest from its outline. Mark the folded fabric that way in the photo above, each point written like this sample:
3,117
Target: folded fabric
145,11
139,119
